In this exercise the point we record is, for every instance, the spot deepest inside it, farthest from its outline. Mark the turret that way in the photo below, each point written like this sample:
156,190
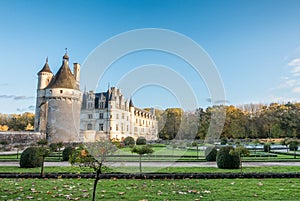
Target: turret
44,76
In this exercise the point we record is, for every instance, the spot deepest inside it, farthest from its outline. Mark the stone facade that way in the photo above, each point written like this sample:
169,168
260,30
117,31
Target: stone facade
109,115
58,103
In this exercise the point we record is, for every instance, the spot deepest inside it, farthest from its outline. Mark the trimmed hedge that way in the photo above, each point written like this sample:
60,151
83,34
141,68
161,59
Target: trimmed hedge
211,153
154,175
293,146
140,141
30,158
226,160
267,147
129,141
67,152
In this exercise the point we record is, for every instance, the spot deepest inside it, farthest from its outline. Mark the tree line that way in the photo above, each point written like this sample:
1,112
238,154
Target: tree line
240,122
17,122
244,121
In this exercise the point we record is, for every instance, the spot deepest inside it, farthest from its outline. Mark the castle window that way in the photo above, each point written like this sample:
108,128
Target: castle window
101,105
111,116
123,115
101,116
100,127
89,127
117,116
127,128
90,116
61,91
117,127
122,127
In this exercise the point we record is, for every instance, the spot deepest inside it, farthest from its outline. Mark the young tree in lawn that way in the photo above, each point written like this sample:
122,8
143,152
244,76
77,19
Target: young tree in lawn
141,150
293,146
94,155
43,152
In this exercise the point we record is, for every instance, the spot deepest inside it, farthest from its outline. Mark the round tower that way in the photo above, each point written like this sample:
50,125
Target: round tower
44,78
64,103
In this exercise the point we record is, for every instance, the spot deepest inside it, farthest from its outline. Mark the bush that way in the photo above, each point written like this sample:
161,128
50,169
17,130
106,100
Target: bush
224,141
30,158
267,147
53,147
140,141
67,152
129,141
293,146
211,153
194,144
226,160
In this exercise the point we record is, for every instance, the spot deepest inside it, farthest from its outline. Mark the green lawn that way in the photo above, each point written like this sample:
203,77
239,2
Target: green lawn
74,169
135,190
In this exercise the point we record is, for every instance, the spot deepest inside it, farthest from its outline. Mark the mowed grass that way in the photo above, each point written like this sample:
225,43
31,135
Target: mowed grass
75,169
135,190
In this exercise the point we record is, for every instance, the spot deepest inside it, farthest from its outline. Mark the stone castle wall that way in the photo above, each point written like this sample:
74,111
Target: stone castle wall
19,137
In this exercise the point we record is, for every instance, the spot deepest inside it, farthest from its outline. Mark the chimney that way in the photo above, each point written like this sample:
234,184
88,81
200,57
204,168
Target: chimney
77,72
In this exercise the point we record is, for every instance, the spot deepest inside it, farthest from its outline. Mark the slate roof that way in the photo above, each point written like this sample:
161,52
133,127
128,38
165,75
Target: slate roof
46,68
64,78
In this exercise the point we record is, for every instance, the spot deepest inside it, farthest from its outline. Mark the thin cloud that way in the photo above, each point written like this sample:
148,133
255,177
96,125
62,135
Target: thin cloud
296,90
294,62
29,108
217,101
16,97
3,84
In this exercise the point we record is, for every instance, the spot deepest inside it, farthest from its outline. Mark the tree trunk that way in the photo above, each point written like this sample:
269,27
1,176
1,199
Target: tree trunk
140,164
241,164
42,168
98,172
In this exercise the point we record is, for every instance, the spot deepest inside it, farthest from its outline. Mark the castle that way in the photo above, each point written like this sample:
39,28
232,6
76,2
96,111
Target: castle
64,114
110,115
58,103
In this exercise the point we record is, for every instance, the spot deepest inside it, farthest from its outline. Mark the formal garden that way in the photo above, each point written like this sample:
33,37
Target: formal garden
91,171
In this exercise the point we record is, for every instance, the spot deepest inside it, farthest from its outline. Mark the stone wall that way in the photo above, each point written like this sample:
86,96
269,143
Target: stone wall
21,137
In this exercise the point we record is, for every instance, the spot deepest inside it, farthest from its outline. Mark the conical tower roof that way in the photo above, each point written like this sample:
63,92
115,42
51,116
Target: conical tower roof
64,78
131,103
46,68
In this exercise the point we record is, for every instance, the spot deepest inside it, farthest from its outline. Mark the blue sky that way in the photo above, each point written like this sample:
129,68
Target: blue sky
255,45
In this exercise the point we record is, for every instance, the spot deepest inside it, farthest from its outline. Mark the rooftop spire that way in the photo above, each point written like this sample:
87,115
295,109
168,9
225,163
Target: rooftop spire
66,57
46,68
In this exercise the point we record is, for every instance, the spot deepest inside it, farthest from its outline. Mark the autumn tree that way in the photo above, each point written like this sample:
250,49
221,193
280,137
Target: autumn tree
94,155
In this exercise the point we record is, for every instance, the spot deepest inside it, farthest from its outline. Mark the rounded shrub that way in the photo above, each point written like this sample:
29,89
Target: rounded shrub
194,144
223,141
267,147
293,146
227,160
211,153
30,158
53,147
140,141
67,152
129,141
